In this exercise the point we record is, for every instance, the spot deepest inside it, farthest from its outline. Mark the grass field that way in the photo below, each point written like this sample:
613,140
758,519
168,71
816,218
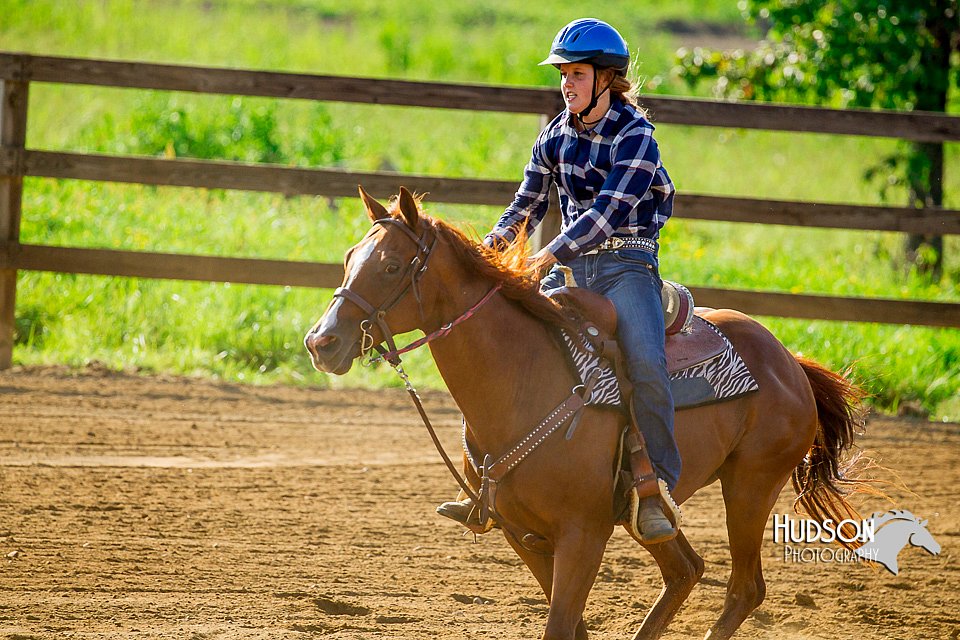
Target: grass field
253,333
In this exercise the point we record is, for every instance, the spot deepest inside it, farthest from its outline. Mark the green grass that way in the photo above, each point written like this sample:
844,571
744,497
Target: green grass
253,333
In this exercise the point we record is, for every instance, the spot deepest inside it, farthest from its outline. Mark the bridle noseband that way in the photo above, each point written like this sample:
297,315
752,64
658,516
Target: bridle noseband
409,280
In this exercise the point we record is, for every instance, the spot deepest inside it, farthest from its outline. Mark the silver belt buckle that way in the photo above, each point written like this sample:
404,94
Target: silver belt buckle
615,243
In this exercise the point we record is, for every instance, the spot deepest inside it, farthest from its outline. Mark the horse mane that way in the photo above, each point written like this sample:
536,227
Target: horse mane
506,266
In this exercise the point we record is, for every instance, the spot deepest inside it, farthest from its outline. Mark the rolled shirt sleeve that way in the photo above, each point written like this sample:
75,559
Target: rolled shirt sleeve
530,202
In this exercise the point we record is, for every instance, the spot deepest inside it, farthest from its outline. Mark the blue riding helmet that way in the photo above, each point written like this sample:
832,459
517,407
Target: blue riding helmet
589,40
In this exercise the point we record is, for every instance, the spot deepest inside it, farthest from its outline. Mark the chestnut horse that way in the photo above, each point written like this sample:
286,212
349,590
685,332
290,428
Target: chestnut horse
506,373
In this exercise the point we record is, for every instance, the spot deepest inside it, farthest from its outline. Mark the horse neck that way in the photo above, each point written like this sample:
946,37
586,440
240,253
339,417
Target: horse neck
501,366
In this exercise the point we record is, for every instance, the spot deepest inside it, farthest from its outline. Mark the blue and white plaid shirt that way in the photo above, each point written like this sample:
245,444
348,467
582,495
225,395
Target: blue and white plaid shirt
611,182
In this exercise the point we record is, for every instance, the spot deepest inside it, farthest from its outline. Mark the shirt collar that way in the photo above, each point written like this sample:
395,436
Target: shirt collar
605,127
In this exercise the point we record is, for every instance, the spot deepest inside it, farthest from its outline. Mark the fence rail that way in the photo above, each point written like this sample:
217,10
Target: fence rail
17,71
913,125
328,276
343,184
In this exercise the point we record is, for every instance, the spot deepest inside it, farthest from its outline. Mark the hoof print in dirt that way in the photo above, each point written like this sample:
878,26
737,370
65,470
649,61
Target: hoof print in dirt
396,619
804,600
334,608
763,617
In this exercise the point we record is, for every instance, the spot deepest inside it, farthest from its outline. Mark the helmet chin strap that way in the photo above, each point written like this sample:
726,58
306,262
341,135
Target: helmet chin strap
594,97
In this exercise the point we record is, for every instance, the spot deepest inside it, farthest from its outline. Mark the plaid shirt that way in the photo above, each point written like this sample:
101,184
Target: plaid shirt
610,177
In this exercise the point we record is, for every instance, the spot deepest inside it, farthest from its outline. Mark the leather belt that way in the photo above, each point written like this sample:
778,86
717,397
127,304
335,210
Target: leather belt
612,244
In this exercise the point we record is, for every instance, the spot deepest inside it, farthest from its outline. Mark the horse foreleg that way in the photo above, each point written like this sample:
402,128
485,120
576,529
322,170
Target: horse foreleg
541,566
577,558
748,495
681,568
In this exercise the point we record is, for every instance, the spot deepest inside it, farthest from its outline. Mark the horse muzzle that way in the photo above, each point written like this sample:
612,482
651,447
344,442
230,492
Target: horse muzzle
329,352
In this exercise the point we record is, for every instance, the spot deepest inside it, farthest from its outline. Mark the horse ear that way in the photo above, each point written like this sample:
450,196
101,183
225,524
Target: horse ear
409,208
923,524
375,210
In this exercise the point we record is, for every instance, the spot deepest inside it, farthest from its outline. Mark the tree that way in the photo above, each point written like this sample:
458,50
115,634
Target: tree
891,54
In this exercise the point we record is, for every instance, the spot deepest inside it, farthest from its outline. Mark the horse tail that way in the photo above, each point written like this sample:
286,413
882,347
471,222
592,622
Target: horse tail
825,478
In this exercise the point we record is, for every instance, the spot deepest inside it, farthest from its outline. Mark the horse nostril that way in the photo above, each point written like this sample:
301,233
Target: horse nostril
324,342
316,343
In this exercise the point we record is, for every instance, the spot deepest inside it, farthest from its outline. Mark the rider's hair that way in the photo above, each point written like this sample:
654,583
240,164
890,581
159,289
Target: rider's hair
622,88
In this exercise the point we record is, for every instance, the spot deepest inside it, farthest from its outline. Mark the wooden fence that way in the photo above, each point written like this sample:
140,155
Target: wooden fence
18,71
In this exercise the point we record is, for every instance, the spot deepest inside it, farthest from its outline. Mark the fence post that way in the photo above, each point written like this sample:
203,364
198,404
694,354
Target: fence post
549,227
13,134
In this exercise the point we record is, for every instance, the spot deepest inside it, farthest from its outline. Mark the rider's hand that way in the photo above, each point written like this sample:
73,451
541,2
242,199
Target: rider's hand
541,260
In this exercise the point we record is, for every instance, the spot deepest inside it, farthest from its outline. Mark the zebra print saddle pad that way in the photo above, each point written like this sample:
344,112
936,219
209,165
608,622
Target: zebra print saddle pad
722,376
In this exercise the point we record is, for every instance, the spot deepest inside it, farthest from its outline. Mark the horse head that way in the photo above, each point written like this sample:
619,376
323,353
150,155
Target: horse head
380,294
893,531
924,539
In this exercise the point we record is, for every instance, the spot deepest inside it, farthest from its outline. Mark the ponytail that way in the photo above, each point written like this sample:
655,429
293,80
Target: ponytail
626,91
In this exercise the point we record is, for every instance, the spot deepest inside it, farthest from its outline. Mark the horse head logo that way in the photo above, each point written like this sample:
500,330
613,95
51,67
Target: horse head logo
892,531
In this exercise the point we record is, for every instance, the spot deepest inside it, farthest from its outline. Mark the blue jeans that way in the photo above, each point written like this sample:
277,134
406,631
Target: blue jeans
630,278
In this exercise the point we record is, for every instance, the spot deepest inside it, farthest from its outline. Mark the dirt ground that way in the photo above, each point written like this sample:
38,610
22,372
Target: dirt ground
149,507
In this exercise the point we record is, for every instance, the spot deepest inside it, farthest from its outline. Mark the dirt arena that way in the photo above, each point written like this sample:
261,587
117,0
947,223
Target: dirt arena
146,507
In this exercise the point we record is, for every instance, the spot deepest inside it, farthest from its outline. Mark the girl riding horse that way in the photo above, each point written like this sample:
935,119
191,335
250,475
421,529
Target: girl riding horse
615,196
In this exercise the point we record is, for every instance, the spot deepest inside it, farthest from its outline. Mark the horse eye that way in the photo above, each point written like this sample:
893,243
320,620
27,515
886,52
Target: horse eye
392,268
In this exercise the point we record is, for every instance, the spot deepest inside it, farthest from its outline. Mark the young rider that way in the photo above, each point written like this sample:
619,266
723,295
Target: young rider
615,196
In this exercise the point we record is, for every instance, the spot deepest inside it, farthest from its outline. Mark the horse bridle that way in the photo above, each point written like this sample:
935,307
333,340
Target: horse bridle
410,280
491,472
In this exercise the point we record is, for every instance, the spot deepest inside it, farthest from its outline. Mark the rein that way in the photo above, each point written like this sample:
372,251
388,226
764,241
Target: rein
394,356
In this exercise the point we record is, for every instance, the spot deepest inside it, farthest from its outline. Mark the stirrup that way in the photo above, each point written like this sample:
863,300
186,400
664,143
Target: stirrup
670,510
